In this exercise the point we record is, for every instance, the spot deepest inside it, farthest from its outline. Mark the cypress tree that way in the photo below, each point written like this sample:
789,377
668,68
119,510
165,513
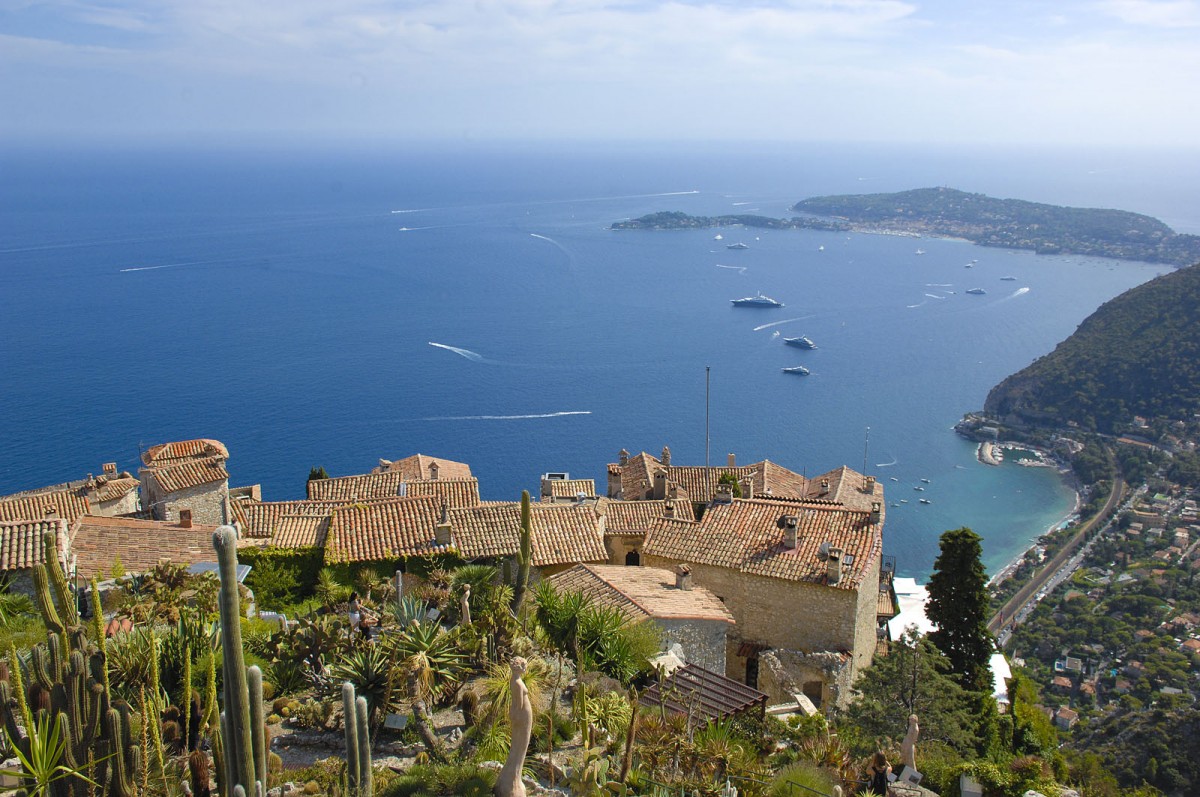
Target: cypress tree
958,605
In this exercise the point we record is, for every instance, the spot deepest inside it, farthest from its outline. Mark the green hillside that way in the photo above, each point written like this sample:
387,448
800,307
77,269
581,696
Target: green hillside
1138,354
1012,224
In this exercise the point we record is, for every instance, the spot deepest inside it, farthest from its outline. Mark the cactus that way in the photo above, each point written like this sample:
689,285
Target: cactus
124,759
359,778
235,728
525,555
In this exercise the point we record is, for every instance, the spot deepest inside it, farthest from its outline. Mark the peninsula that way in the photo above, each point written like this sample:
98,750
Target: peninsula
981,219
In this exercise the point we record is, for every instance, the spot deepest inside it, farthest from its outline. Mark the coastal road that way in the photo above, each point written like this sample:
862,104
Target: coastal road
1029,593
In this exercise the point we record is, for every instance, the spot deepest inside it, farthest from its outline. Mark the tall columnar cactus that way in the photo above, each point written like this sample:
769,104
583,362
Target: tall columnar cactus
237,734
525,555
358,743
124,757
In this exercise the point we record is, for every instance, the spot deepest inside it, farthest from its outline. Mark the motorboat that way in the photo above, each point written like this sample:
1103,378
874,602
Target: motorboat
803,342
756,301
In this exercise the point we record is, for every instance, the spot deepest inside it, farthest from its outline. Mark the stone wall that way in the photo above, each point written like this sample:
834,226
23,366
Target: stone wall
209,504
703,641
825,678
619,545
125,505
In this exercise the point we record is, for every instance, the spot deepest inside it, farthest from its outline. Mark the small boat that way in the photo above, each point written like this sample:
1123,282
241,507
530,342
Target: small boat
976,291
797,369
969,265
1008,279
926,501
738,245
718,237
925,481
756,301
920,251
803,342
820,248
904,500
919,488
895,479
895,504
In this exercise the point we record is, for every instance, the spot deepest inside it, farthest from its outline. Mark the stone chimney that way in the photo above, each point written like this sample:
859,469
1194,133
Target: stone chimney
824,486
441,532
669,509
384,464
683,577
623,457
433,470
51,511
109,468
869,485
732,460
791,527
833,566
666,456
747,485
660,485
876,512
185,518
724,494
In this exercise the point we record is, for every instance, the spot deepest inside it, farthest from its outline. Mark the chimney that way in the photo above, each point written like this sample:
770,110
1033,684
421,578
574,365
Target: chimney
623,457
666,456
824,486
433,470
660,485
441,532
876,512
869,485
683,577
51,511
791,525
384,464
109,468
724,494
833,566
732,460
747,485
668,509
185,518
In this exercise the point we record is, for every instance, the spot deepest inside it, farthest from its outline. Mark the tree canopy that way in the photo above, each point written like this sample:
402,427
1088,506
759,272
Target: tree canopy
958,605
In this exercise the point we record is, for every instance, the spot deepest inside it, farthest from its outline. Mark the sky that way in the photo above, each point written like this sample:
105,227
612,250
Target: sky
1107,73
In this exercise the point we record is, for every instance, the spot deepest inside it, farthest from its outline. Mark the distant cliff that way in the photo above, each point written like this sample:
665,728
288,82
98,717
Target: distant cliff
1011,223
1138,354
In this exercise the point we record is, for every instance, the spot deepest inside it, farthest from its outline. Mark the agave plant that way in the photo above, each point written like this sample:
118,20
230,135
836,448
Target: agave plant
369,668
431,661
407,609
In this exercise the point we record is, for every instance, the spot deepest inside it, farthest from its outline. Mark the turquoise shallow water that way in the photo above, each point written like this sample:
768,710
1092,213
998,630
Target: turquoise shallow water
273,301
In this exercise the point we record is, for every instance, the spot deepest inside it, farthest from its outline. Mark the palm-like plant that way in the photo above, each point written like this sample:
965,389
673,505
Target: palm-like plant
430,659
497,693
44,765
369,668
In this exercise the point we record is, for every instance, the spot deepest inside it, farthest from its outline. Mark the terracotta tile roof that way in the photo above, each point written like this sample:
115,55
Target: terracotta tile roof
634,517
747,535
571,488
490,530
561,533
141,544
301,531
237,508
67,504
637,476
641,592
455,492
846,488
420,467
171,453
21,542
189,473
262,517
701,482
778,482
383,530
354,488
113,489
565,533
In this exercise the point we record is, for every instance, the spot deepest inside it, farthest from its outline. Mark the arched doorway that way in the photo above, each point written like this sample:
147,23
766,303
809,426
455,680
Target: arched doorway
633,559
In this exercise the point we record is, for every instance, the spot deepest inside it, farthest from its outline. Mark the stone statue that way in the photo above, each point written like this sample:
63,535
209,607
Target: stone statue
908,746
464,606
520,715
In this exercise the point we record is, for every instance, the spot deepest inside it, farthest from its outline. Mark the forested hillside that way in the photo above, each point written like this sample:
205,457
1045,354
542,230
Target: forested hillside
1138,354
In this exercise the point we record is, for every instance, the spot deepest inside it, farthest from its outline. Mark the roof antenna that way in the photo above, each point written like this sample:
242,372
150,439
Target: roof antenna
866,447
707,372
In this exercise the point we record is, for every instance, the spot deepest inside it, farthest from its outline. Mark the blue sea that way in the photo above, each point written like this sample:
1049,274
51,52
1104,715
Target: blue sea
334,305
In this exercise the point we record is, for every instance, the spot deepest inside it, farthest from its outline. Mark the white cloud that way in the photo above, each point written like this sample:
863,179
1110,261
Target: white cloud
1155,13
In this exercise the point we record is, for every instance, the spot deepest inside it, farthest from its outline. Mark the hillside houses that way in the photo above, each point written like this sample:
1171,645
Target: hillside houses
783,571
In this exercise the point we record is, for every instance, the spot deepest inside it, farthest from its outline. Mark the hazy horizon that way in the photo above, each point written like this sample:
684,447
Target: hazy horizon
1103,73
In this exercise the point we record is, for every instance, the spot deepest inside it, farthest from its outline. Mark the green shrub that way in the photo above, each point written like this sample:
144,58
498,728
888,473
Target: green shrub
807,777
434,780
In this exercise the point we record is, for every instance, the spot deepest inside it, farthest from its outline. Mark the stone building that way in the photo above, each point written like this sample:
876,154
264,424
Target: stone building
189,474
687,614
112,493
562,535
560,488
801,578
420,467
22,549
626,524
